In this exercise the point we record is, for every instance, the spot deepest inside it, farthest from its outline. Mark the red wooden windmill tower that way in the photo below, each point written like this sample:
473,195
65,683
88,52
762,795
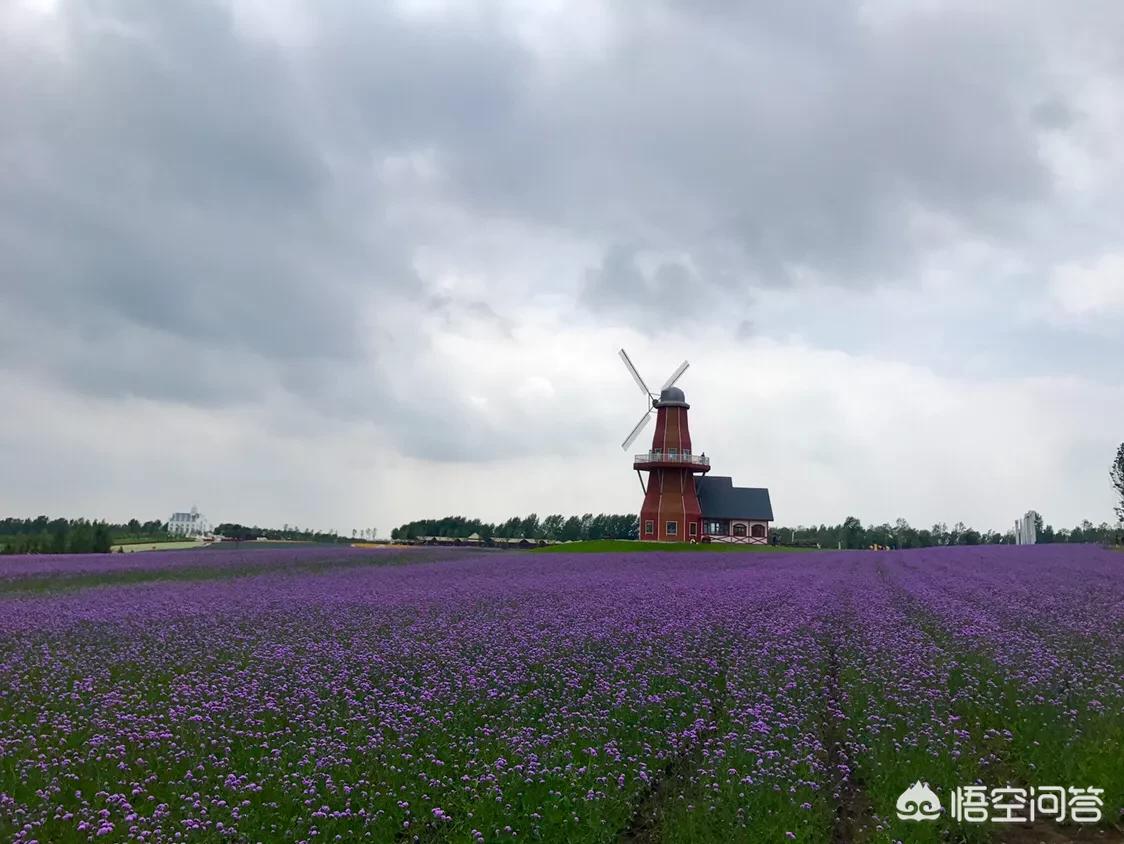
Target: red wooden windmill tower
671,511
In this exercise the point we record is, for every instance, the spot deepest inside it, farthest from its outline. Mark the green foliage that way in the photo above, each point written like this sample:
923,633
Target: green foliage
42,535
237,532
555,527
1116,473
852,534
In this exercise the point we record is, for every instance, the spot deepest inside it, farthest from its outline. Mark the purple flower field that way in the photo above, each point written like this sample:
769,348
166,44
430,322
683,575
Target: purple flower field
457,696
33,570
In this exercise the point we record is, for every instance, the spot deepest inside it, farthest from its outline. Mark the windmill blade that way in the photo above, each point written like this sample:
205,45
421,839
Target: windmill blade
675,376
636,431
635,375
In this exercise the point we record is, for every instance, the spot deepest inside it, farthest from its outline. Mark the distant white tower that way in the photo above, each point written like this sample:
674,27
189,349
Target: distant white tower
1026,531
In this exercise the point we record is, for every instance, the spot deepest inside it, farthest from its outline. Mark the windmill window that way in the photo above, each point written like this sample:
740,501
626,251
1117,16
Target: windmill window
739,530
758,531
672,528
649,527
693,529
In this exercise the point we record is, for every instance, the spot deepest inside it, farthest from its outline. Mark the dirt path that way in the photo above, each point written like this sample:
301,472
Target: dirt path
644,828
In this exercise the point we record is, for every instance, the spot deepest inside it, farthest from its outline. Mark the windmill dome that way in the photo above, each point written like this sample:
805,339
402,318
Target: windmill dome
672,397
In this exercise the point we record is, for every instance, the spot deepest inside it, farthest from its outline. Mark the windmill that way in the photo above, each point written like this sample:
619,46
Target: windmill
652,400
671,511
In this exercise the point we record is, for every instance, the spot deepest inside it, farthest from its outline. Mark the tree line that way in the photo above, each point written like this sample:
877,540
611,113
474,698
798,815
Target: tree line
556,527
851,533
43,535
231,530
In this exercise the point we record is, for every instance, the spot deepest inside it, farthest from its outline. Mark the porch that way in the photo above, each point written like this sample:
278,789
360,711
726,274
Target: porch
746,531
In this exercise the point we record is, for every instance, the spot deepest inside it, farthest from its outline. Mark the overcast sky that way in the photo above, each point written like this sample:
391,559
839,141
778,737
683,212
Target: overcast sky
345,264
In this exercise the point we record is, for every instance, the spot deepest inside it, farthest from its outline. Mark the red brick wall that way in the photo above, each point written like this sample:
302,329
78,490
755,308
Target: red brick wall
671,492
672,430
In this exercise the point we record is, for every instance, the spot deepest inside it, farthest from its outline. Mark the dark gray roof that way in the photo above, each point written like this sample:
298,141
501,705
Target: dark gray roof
720,499
672,397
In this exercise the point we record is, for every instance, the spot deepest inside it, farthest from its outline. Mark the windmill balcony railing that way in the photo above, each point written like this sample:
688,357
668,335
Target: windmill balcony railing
672,457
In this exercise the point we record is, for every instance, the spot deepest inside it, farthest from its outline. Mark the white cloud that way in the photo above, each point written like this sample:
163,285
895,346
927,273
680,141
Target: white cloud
1092,290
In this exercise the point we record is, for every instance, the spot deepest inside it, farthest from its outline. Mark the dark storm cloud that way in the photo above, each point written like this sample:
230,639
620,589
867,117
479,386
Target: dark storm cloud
670,287
161,174
176,194
796,144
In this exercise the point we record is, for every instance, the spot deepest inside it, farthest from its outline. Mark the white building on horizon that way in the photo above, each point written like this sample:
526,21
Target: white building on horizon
1026,529
192,524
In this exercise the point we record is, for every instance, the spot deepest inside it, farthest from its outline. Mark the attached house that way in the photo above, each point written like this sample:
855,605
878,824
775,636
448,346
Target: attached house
733,513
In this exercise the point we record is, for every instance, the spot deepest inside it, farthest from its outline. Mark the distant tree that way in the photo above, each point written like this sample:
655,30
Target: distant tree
904,535
1084,532
102,541
958,530
940,533
572,529
629,527
879,535
1116,473
853,534
530,527
552,526
598,527
1039,524
587,522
